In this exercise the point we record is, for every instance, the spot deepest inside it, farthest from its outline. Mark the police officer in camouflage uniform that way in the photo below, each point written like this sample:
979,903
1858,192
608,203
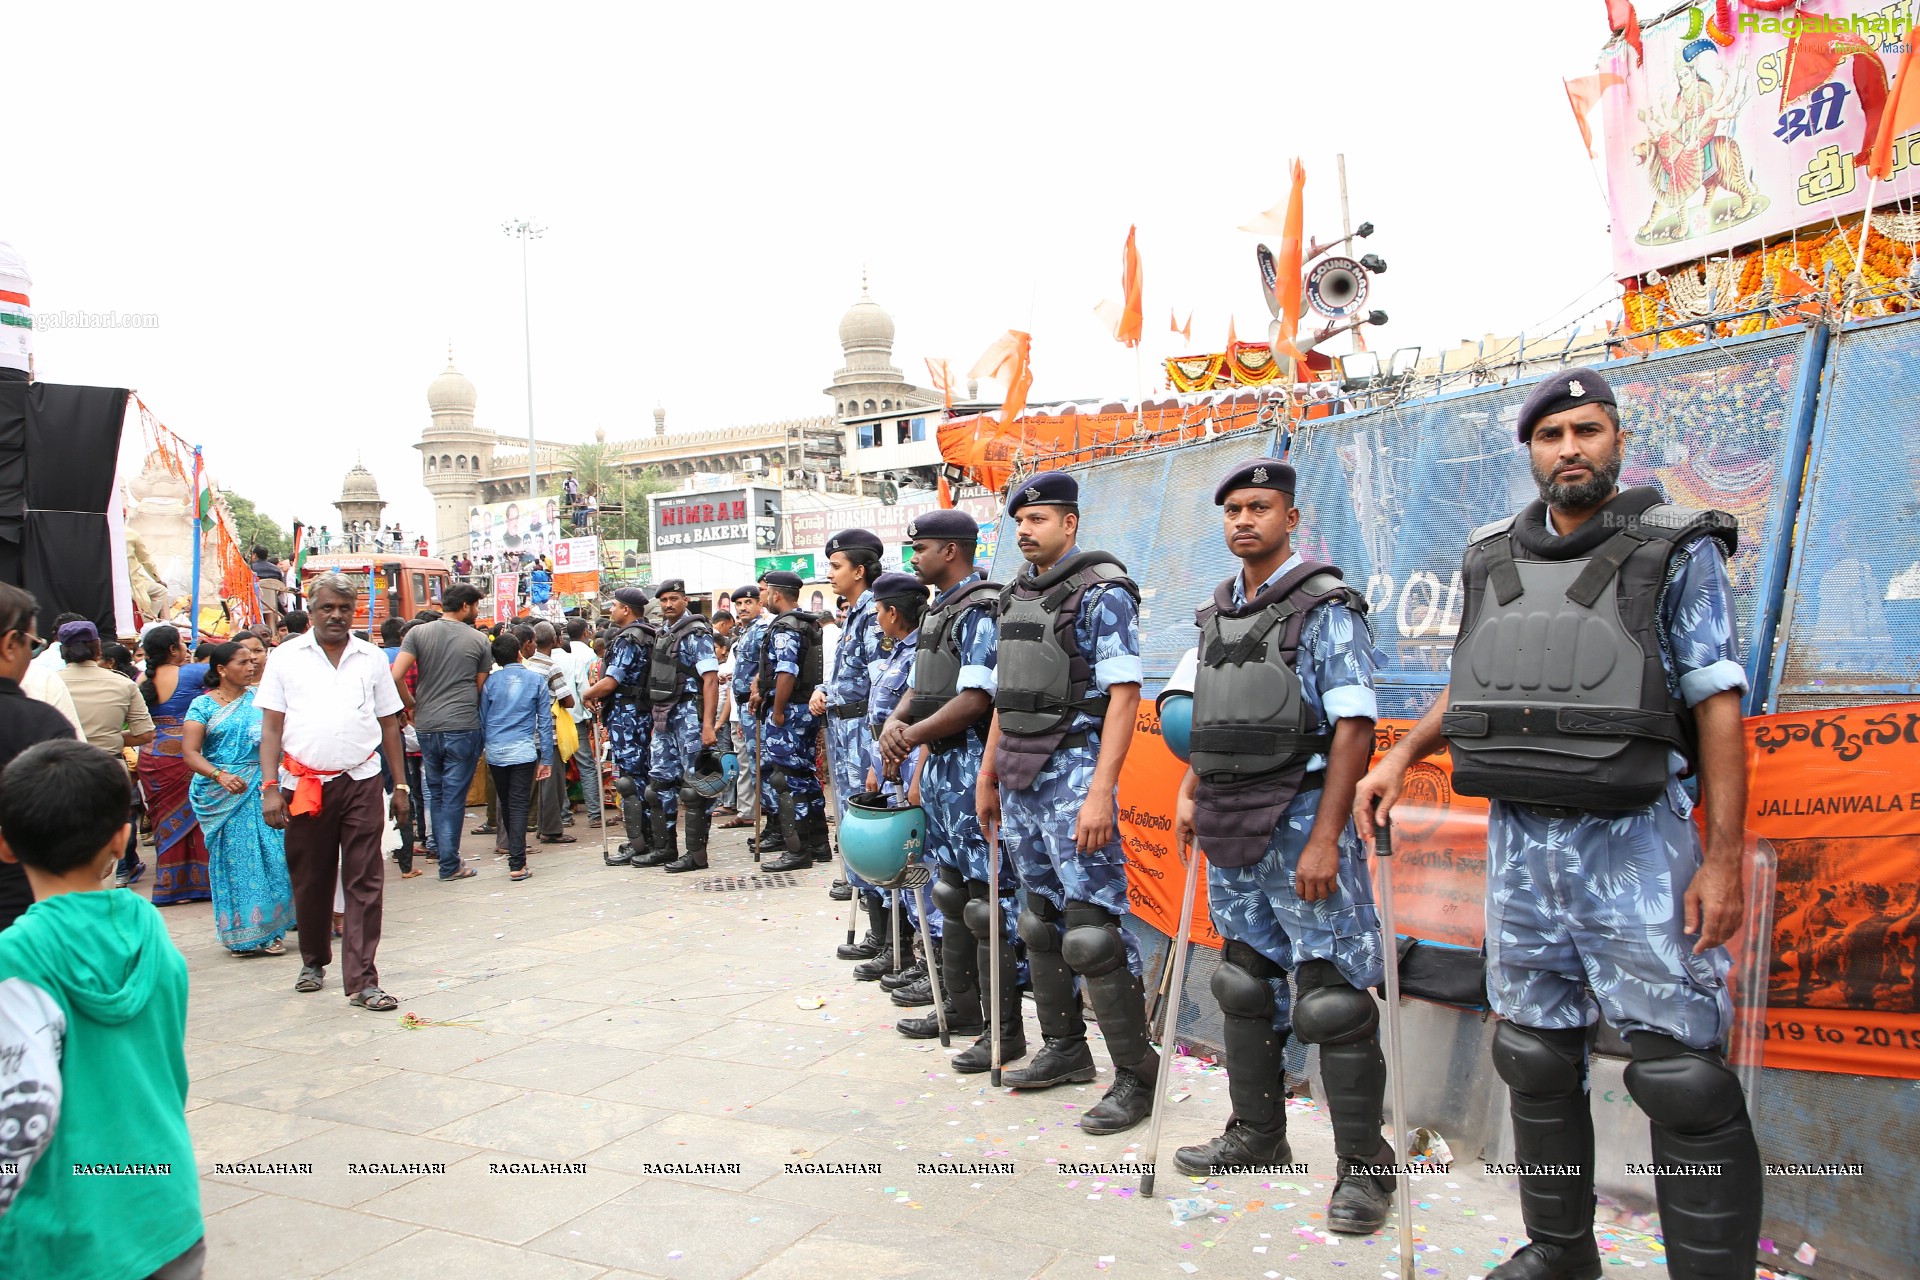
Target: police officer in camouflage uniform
1068,686
853,563
622,691
788,671
899,601
1596,667
949,715
1283,718
683,686
747,640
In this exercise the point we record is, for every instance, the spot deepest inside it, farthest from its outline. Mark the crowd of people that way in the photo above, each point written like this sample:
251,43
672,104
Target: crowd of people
1005,713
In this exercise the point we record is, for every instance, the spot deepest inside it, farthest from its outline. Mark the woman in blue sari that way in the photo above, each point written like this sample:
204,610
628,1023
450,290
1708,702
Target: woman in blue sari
252,894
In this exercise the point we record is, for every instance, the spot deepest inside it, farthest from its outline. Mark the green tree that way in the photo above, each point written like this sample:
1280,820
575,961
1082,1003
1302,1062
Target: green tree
255,527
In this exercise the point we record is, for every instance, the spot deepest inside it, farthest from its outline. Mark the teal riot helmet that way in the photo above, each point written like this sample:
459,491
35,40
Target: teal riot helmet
1175,705
708,777
880,843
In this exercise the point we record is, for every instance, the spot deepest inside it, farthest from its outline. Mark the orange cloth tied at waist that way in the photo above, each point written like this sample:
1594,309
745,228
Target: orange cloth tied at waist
306,792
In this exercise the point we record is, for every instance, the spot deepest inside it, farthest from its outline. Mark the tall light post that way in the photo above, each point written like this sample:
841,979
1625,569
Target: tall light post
525,230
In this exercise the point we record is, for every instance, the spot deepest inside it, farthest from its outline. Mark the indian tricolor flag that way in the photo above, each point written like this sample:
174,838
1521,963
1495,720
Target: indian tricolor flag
203,491
16,325
300,549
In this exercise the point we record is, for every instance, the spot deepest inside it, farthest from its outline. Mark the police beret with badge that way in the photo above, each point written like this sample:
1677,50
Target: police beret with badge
855,540
896,586
1568,389
1049,488
678,585
950,523
1256,473
632,597
782,580
745,593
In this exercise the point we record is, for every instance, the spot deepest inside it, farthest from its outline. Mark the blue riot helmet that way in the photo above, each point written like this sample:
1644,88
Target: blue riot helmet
880,843
1176,706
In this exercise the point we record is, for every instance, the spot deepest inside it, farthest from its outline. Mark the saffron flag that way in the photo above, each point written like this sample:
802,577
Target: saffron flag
1814,57
1583,95
946,495
1008,362
1131,319
1902,112
1287,268
1184,330
1233,339
942,375
1788,285
1622,20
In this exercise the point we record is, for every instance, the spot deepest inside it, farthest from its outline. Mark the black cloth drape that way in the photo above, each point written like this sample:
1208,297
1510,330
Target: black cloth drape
58,450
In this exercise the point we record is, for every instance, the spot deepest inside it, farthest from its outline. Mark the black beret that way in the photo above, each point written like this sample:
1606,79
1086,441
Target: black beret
894,586
855,540
671,584
946,522
781,580
1049,488
745,593
1256,473
1567,389
632,597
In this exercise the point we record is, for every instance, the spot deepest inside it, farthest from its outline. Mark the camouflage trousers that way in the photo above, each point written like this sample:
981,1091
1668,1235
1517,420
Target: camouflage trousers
1037,832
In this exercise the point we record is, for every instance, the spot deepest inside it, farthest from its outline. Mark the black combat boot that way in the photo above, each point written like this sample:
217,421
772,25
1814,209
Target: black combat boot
877,933
698,820
882,964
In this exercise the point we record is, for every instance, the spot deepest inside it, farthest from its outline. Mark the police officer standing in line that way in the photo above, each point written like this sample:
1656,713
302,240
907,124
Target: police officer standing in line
1283,716
683,686
853,563
788,672
949,714
1067,688
622,689
1596,667
750,630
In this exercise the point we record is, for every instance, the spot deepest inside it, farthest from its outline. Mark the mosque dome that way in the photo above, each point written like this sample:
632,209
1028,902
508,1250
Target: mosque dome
359,485
866,324
451,392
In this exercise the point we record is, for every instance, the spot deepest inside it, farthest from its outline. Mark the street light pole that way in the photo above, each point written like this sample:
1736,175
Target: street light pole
525,230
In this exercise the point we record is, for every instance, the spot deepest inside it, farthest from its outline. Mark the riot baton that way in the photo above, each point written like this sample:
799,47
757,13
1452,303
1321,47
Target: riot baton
759,737
1163,1078
993,950
599,783
1390,963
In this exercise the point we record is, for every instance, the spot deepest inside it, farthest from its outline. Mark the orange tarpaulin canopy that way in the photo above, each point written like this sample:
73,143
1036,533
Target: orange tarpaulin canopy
991,453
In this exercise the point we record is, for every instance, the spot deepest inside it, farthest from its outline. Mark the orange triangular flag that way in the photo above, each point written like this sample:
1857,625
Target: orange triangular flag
1232,341
1583,95
1287,268
1130,285
946,494
1788,285
941,374
1184,330
1622,18
1008,362
1902,113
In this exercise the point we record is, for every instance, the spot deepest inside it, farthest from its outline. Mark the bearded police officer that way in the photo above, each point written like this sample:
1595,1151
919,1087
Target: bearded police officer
787,674
622,689
1067,688
683,688
949,715
853,563
1596,667
1283,712
747,642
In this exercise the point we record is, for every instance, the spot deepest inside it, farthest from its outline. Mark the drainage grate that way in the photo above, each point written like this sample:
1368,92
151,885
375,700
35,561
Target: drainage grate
758,880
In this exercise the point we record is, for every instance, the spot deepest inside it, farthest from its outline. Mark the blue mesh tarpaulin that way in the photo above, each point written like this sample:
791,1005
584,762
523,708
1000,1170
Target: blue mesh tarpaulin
1852,609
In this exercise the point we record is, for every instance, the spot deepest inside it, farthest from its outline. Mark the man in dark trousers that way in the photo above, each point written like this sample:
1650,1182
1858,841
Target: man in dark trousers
1597,666
1283,718
328,708
23,722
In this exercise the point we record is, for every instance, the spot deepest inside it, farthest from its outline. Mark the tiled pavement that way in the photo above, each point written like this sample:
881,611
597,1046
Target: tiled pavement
628,1021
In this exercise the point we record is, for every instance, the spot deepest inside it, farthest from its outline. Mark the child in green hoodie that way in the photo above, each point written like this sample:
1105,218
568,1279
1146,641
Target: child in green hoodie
97,1175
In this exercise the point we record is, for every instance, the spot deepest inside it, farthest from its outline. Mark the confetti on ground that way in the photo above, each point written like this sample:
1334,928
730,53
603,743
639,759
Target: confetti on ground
1805,1254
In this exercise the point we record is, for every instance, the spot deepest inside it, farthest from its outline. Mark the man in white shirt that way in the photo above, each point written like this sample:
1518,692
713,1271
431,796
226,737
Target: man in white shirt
577,657
328,707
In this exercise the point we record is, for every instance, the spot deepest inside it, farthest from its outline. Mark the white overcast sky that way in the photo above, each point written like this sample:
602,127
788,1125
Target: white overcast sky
310,198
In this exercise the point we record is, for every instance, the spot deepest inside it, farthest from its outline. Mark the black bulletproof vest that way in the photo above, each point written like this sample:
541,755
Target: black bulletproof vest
669,664
1253,728
937,659
1043,678
641,636
1558,695
811,667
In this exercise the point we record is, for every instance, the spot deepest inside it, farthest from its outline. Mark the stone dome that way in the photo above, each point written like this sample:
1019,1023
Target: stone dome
866,324
451,391
359,486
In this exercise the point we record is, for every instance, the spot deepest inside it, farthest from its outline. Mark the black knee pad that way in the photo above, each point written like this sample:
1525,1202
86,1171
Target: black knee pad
691,799
1037,919
1686,1090
1540,1063
979,918
950,894
625,785
1093,946
1330,1009
1240,984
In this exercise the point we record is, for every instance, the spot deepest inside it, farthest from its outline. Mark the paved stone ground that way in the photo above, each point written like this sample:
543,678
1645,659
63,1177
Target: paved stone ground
624,1020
